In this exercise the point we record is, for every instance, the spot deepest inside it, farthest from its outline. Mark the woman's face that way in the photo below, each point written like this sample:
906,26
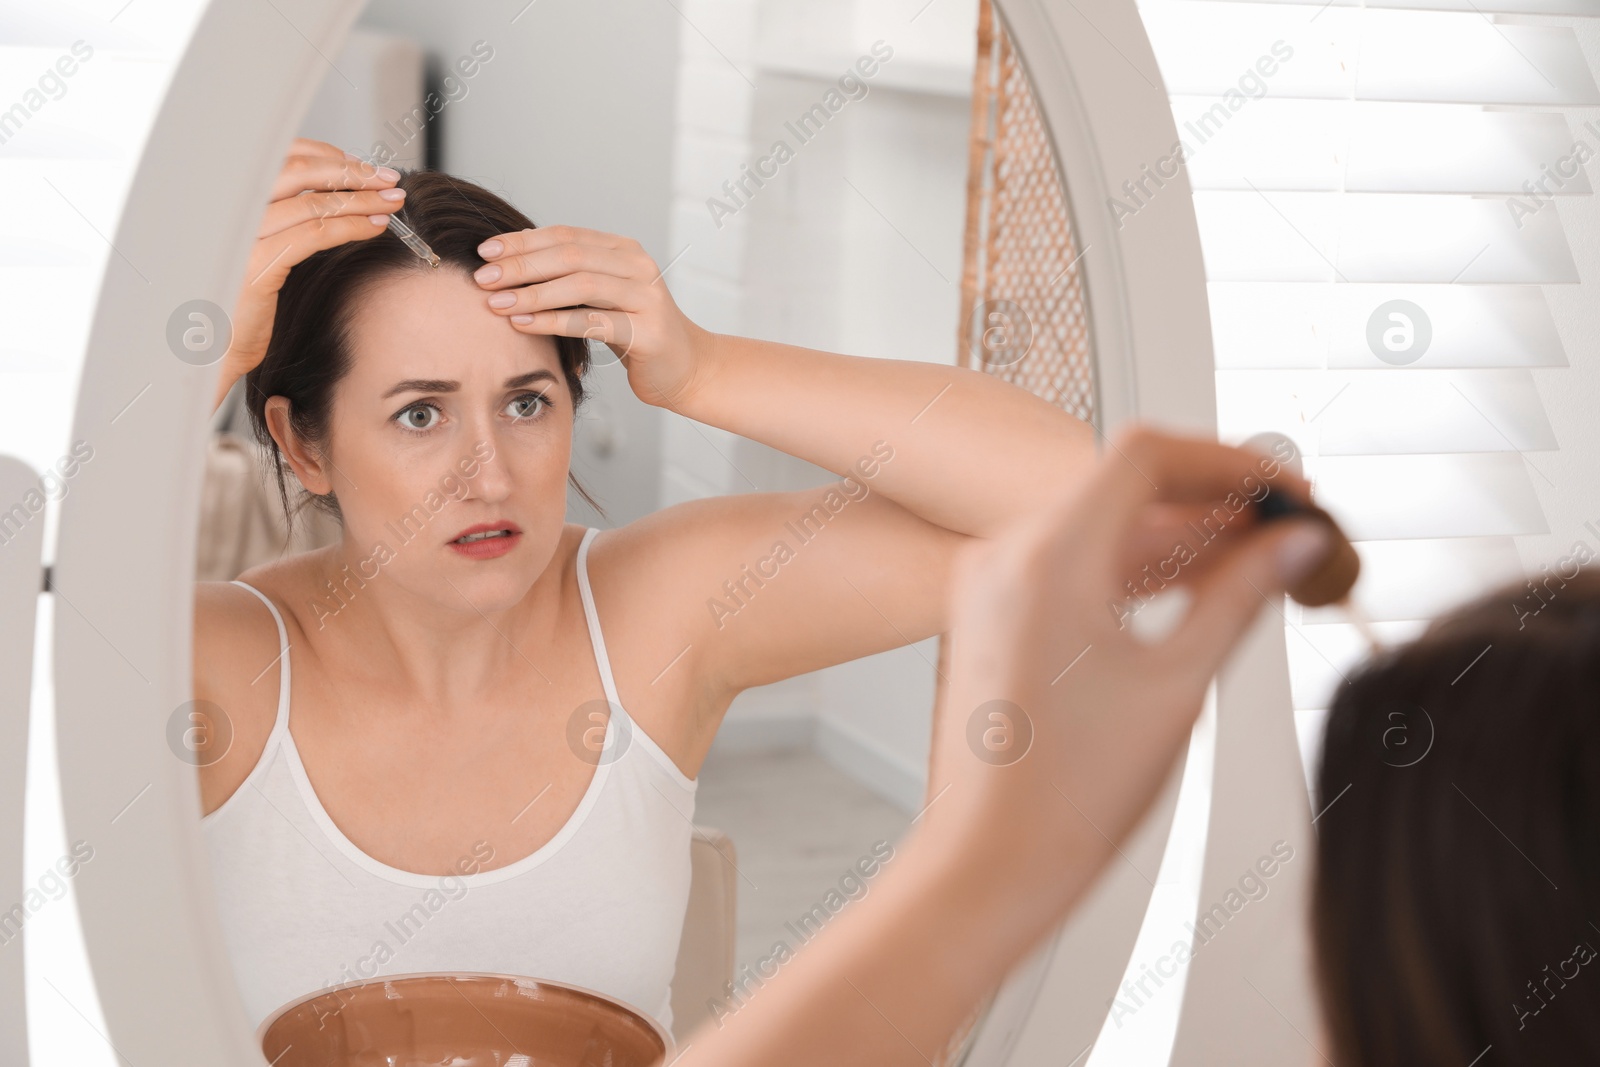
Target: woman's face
449,420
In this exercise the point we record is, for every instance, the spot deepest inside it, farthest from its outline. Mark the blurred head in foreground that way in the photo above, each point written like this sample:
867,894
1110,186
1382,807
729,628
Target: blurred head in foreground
1457,901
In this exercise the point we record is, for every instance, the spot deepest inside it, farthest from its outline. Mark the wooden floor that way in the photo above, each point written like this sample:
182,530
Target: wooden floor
798,825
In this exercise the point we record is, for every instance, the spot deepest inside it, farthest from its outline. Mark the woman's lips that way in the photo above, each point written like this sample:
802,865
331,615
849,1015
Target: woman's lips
489,547
501,538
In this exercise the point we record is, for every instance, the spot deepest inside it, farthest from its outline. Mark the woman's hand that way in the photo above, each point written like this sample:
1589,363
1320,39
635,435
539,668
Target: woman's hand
1062,720
1091,720
572,282
323,197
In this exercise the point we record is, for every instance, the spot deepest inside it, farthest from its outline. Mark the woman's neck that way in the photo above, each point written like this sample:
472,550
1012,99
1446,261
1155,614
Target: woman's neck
445,643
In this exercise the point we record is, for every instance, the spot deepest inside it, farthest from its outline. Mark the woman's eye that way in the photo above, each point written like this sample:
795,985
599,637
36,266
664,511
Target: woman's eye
527,405
419,417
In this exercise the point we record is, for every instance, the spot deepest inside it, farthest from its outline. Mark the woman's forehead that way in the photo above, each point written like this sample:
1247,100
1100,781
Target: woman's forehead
435,323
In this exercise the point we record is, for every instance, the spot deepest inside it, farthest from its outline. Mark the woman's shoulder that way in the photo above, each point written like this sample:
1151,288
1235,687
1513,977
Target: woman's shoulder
233,628
649,592
232,716
238,664
236,684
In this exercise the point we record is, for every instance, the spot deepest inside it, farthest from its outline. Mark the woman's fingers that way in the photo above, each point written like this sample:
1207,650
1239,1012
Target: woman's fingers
1157,527
270,262
1188,469
1182,542
292,211
590,290
1252,574
321,197
272,257
1144,481
613,328
308,146
532,268
319,172
554,280
1141,466
522,242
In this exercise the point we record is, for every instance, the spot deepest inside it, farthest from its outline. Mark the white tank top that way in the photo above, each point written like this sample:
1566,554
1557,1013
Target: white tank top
601,905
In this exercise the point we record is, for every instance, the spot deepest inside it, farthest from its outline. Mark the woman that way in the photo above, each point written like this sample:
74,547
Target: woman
1456,905
441,801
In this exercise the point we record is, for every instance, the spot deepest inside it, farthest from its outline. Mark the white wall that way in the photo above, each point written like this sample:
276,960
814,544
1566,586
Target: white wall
854,246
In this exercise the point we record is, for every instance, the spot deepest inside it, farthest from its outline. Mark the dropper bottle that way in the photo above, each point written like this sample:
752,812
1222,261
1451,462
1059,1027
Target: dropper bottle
398,226
1332,581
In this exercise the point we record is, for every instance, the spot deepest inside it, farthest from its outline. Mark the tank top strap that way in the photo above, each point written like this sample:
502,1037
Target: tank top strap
609,682
596,638
281,722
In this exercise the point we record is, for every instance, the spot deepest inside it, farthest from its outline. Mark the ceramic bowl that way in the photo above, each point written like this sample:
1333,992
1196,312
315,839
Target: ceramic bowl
464,1019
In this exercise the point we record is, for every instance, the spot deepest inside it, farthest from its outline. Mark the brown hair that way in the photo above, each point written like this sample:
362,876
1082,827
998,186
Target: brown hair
1458,868
309,351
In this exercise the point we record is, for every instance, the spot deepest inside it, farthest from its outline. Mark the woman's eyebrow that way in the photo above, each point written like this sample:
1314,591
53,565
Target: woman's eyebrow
422,385
445,385
529,378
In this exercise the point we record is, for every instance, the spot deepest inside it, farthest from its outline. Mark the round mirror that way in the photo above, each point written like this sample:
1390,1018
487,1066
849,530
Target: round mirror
847,180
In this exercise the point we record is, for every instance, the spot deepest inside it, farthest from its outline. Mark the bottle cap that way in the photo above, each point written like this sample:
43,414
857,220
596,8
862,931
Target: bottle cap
1334,577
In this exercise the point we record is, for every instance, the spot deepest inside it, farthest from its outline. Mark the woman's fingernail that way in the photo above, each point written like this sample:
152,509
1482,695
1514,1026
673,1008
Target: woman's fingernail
502,300
490,249
388,174
1301,550
522,320
379,220
491,273
391,194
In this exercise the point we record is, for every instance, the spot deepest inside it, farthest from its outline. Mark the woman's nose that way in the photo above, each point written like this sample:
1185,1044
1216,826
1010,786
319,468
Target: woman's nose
494,479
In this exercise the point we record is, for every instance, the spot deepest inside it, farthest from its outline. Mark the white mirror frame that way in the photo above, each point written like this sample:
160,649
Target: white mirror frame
126,547
127,544
1108,116
21,578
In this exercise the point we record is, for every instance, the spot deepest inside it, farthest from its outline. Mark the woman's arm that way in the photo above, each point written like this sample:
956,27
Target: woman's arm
970,451
887,982
1012,844
757,587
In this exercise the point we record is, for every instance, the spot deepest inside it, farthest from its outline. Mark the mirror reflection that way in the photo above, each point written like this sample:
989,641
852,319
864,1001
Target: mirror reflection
593,637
